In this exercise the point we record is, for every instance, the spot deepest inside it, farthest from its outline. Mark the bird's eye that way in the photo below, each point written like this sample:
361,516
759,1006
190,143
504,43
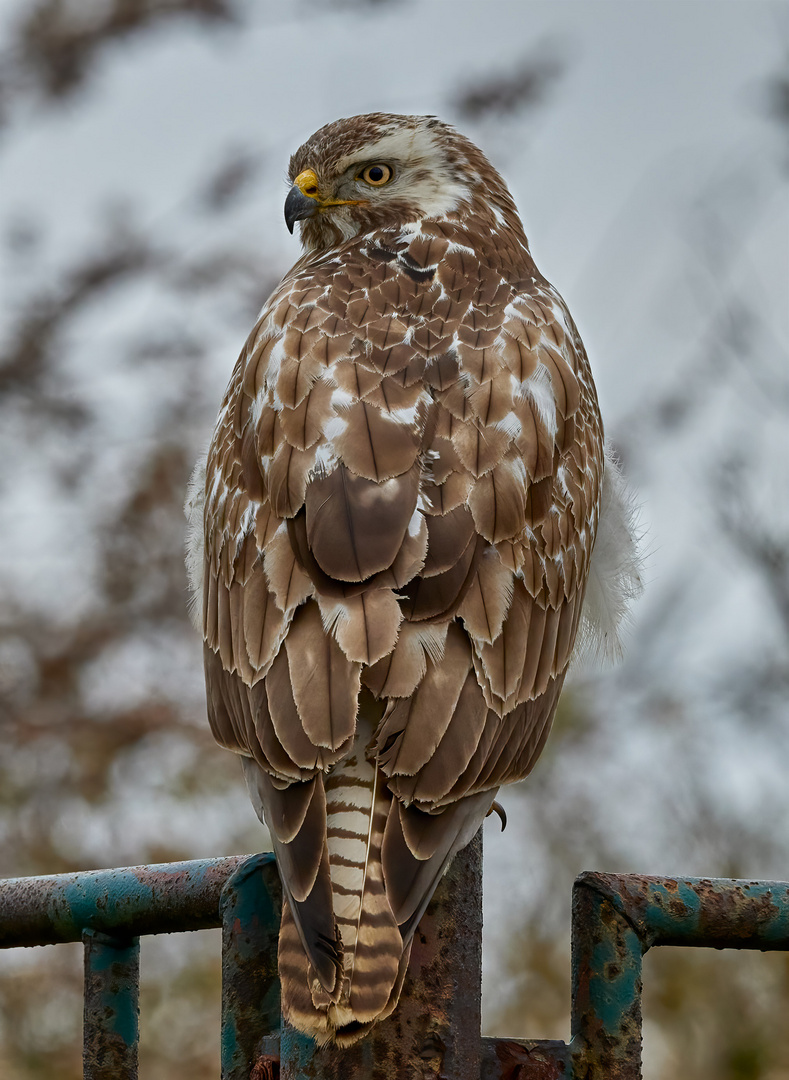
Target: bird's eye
377,175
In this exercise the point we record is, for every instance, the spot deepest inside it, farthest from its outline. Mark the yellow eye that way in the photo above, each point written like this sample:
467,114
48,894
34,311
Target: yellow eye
377,175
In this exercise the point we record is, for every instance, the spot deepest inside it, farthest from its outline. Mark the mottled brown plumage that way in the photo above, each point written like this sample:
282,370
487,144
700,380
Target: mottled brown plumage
401,501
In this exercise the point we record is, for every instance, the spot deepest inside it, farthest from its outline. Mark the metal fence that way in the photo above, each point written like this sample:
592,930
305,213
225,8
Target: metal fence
435,1032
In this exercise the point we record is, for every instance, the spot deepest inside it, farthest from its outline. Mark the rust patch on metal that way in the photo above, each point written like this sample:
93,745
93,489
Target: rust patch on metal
539,1060
130,901
265,1068
732,914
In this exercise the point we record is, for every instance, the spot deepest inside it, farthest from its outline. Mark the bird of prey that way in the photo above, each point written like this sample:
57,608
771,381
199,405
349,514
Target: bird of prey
406,515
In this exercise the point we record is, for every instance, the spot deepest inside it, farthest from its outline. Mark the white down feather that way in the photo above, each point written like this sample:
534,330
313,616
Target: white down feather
614,569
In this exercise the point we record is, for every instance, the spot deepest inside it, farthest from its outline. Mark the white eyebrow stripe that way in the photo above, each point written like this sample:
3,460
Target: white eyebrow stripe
395,144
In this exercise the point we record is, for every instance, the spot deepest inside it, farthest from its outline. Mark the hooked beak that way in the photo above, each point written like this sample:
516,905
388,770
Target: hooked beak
305,199
299,206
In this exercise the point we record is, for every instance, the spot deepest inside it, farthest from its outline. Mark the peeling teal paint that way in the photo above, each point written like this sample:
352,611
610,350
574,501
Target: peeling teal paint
229,1042
297,1049
161,898
618,918
251,909
112,976
615,986
117,897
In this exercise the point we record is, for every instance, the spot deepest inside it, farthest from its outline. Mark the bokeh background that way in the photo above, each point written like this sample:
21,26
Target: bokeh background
143,146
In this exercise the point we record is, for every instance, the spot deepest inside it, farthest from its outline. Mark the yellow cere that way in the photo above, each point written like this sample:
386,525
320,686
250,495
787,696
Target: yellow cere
307,183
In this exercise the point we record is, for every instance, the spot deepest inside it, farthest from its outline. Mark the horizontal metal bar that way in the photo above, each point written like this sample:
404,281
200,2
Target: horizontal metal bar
129,901
606,985
719,913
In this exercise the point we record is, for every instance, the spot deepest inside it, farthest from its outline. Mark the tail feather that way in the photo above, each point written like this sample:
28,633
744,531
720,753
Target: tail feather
358,870
359,804
374,956
305,1000
417,849
304,867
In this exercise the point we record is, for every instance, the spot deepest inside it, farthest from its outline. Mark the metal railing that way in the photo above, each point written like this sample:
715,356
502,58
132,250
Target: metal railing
109,910
435,1031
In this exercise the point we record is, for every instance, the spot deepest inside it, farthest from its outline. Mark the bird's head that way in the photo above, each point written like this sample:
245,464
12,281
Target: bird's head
383,170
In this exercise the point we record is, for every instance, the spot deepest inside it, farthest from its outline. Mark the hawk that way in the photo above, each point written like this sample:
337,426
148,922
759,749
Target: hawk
406,501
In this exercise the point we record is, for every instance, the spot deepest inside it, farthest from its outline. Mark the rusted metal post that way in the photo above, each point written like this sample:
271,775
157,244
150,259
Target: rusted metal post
251,907
606,988
435,1030
112,1007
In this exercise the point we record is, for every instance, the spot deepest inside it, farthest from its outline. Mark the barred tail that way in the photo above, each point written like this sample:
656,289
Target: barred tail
358,870
372,947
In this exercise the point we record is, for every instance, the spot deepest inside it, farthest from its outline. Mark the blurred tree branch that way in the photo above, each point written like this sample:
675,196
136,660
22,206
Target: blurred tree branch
57,43
525,86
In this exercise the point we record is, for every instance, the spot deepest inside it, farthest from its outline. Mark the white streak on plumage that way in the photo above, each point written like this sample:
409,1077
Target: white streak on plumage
539,389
